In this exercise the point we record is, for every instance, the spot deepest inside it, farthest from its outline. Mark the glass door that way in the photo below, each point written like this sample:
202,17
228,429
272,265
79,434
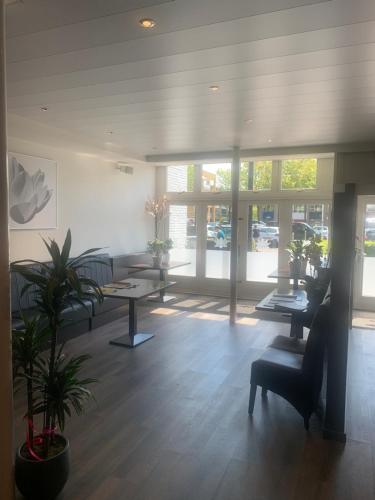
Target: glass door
364,273
183,233
218,241
262,242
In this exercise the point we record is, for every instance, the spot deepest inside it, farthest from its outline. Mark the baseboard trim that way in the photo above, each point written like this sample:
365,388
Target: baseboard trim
334,435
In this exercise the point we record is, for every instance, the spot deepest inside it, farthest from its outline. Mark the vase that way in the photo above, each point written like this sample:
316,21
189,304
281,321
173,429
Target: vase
295,267
166,258
45,479
156,260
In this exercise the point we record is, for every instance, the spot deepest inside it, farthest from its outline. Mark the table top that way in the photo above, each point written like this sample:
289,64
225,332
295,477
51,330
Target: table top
285,274
133,288
162,267
292,301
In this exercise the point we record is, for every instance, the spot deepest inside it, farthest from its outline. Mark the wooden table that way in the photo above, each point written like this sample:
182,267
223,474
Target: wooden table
293,302
163,269
133,289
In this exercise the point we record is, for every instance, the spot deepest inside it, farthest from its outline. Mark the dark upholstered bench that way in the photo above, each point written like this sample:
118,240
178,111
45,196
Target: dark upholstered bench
77,319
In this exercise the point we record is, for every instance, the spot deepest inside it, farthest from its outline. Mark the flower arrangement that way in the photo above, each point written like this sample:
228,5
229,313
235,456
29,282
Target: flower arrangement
158,209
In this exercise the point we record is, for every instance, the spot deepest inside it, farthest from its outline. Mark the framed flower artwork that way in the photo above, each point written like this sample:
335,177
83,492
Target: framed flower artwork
32,192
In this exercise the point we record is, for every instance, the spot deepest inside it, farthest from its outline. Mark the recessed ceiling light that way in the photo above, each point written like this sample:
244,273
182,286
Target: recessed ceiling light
147,23
249,121
214,88
109,132
269,140
44,108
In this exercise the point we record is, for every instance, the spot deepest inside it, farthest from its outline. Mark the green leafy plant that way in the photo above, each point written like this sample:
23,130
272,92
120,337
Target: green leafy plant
314,250
297,249
27,347
168,245
58,285
156,247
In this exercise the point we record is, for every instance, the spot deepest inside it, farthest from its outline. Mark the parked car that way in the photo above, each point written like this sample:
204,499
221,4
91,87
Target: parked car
321,231
300,231
370,234
266,232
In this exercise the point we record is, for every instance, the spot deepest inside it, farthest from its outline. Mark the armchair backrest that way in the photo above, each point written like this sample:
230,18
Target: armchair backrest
313,359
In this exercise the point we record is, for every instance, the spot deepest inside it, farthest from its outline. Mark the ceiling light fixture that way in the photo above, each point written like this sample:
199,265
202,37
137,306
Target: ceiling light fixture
214,88
109,132
44,108
147,23
269,140
249,121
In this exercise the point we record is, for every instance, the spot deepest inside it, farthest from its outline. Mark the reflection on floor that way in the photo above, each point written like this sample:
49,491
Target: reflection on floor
364,319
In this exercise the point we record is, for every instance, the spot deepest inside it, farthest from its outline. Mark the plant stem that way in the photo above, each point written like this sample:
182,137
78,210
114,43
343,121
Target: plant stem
30,414
53,326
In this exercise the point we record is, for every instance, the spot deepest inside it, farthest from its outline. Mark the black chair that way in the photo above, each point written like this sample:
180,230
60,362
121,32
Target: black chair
293,374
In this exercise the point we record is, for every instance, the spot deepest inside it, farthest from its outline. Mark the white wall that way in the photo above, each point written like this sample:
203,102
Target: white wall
102,206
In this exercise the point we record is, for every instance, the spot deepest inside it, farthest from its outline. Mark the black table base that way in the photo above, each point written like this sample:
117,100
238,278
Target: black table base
130,341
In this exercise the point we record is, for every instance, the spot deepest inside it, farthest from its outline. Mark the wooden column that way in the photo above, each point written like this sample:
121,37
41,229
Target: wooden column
343,249
234,234
6,418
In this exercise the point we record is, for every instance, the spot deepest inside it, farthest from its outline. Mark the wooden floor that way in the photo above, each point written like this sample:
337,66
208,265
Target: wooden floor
170,420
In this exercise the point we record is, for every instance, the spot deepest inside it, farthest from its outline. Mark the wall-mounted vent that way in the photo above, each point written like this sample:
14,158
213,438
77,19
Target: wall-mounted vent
125,169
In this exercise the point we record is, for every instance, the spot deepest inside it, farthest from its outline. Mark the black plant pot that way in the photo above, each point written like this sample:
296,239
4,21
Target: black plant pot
43,480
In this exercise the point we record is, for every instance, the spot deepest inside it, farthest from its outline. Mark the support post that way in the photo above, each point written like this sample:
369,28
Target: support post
6,403
234,234
343,249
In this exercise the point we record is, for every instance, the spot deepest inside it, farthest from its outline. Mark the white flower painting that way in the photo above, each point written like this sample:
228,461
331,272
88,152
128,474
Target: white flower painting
32,192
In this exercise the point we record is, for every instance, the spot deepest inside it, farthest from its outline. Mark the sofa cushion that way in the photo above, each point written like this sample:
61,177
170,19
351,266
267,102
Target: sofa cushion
19,301
291,344
101,271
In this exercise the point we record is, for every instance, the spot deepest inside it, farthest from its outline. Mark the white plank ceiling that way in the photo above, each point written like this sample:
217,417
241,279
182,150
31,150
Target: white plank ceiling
290,72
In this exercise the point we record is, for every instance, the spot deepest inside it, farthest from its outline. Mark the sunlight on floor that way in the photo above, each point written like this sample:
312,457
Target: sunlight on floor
163,311
247,321
209,316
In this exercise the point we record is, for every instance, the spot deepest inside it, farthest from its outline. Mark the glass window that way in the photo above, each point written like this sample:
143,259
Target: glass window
263,242
299,174
368,276
183,233
256,175
219,232
216,177
312,220
180,178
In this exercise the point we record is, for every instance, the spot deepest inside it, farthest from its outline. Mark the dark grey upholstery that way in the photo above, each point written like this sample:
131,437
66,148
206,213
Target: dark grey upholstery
101,272
294,376
121,265
18,301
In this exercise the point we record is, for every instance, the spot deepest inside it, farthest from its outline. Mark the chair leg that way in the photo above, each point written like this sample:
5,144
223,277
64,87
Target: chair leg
264,392
253,391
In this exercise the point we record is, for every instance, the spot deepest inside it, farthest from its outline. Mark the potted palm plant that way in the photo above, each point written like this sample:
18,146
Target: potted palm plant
297,253
54,387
